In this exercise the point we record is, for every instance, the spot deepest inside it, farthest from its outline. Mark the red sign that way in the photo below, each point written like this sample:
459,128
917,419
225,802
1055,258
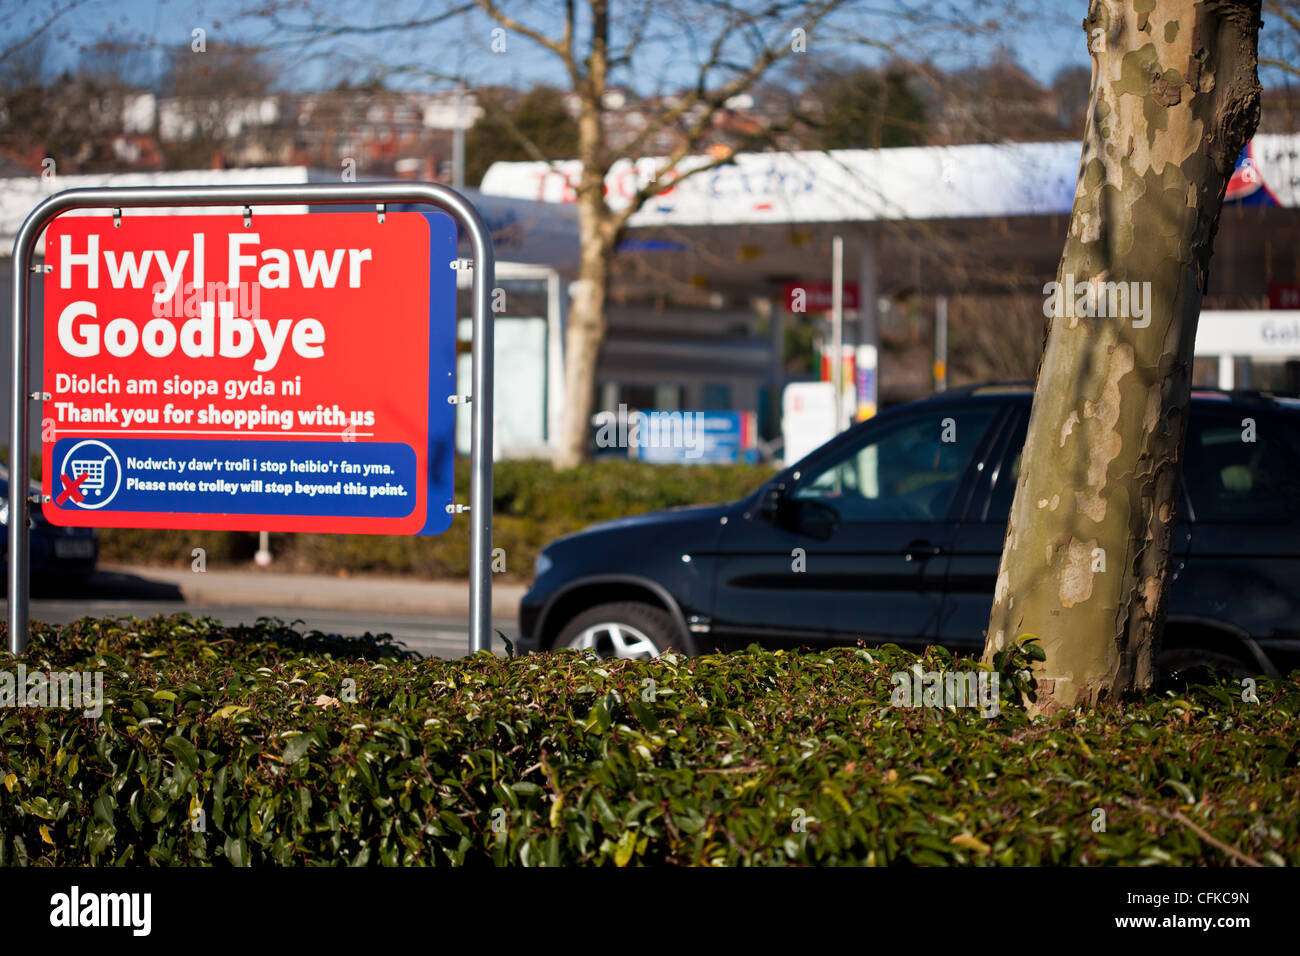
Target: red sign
1244,181
1284,295
285,376
817,297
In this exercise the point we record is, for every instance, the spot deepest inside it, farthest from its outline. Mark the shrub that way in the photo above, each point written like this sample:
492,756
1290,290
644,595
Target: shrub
754,758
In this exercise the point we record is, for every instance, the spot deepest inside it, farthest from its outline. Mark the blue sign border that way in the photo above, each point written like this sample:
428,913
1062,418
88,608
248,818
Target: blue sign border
440,456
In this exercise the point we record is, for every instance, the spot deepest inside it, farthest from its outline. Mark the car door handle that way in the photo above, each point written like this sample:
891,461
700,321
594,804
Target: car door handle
921,551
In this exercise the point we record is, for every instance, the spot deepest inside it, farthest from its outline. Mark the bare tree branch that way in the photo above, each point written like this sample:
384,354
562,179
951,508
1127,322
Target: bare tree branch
1279,10
1279,64
344,29
717,99
56,13
562,48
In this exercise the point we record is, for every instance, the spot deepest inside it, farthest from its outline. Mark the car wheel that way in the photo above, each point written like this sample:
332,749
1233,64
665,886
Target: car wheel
626,630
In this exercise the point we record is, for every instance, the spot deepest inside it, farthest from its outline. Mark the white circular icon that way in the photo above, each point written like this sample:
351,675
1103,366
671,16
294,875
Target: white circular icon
90,475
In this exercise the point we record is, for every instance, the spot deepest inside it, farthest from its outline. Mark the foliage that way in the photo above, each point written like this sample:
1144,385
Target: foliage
539,116
576,761
865,110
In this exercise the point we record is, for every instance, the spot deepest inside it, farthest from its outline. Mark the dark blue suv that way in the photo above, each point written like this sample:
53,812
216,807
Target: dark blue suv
892,532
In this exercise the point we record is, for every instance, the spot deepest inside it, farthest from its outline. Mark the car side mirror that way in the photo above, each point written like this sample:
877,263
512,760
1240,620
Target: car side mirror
771,501
816,519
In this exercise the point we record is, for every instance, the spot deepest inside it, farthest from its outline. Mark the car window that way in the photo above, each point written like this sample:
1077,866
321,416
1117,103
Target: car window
1227,476
1004,483
1241,468
906,470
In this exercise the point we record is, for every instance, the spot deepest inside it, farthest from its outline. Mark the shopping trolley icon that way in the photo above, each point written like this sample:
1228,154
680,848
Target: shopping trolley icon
94,472
90,476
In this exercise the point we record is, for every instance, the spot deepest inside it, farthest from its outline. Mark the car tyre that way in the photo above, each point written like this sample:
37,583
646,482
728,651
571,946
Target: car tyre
627,630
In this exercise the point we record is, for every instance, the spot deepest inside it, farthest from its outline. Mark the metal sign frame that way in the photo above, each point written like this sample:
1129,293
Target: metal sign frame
118,198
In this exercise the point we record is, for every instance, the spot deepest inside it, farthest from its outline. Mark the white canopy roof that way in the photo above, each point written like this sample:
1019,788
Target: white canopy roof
930,182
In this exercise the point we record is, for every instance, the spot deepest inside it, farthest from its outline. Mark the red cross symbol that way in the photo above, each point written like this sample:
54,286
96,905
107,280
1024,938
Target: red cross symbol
70,490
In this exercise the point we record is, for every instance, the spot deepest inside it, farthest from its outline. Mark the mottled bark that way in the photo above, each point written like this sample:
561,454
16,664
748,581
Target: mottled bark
584,332
1085,562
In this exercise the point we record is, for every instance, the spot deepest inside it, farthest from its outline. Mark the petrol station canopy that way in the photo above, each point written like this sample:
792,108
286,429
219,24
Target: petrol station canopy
980,217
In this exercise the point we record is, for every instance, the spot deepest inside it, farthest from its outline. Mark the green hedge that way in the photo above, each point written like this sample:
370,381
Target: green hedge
574,761
533,504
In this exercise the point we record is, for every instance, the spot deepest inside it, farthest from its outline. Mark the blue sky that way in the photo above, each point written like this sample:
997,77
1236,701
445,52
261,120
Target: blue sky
1042,35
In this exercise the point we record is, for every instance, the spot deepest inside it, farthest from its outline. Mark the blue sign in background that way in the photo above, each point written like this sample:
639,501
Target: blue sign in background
707,437
225,477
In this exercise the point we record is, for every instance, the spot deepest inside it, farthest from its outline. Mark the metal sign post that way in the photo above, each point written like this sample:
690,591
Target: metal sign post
382,194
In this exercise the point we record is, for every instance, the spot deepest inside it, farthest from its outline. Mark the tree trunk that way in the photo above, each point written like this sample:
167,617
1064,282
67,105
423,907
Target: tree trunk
586,325
585,333
1085,561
